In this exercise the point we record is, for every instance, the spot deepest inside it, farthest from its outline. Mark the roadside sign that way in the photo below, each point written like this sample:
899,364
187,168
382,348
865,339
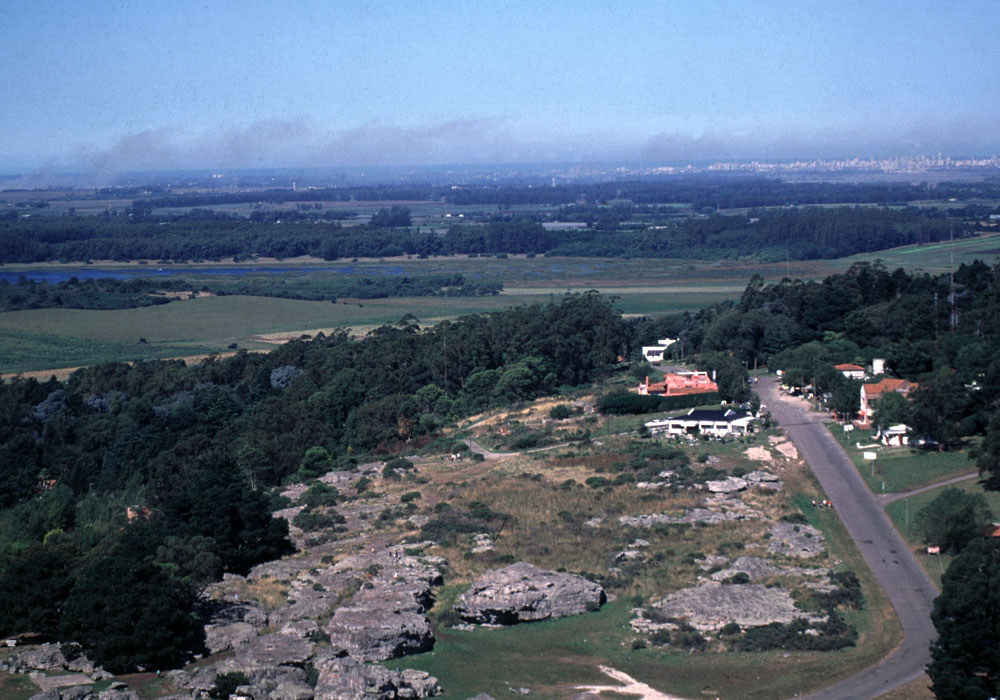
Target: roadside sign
848,427
870,455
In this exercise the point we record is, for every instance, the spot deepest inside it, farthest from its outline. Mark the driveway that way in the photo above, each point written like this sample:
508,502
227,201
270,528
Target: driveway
904,581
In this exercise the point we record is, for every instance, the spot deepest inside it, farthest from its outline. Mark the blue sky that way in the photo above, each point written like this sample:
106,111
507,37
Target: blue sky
128,85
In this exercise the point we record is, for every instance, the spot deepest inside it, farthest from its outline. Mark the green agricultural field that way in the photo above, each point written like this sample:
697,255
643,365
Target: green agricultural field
53,338
934,258
898,469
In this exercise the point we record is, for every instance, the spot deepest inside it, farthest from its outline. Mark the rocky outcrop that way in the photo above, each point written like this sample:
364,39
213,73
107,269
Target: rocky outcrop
730,484
350,679
795,540
116,691
374,634
711,606
220,638
758,569
51,657
729,510
523,593
272,657
764,480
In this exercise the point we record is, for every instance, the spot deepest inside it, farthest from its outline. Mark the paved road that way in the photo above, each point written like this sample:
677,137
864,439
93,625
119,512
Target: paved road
904,581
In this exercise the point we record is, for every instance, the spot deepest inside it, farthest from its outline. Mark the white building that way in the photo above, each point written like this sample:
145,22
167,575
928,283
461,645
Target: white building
714,422
654,353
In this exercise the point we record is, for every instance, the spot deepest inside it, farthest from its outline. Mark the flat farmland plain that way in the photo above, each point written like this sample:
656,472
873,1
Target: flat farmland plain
57,338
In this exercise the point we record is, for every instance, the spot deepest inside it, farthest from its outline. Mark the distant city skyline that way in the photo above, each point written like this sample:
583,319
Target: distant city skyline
102,88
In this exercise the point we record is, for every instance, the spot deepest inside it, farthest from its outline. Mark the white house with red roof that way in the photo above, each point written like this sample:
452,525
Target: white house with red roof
871,393
851,371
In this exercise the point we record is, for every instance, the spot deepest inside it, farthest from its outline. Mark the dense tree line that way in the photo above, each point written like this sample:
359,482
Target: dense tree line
128,486
767,236
109,293
701,191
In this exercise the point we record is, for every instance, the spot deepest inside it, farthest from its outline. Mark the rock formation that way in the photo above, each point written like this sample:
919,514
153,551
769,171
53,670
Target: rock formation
523,593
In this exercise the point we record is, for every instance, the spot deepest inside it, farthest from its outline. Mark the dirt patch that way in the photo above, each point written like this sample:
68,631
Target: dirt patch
758,454
630,686
288,336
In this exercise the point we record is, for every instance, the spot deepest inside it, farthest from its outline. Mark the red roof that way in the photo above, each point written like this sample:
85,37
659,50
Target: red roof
848,368
900,385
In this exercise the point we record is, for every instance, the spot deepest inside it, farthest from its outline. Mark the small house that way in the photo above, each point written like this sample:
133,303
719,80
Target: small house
654,353
871,393
851,371
680,384
896,435
712,422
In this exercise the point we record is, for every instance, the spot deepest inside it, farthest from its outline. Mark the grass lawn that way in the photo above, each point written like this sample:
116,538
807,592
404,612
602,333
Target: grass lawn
904,515
16,687
899,469
552,657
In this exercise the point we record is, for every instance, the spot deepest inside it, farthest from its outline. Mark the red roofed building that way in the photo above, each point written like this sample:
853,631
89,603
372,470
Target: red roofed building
680,384
871,393
851,371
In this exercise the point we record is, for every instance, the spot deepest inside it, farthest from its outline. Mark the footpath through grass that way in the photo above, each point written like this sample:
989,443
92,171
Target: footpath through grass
899,469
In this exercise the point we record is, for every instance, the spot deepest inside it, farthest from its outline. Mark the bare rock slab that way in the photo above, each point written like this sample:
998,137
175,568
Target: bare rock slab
795,540
373,634
523,592
711,606
350,679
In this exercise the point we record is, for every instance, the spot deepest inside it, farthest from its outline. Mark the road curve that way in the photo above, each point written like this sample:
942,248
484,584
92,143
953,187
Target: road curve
904,581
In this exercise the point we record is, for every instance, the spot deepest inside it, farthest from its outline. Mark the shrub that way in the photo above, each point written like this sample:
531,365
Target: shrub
226,684
559,412
310,520
320,494
688,638
399,464
638,644
660,638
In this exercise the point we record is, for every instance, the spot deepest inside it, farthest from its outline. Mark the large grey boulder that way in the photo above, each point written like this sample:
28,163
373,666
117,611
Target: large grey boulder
711,606
728,485
523,593
74,692
374,634
226,636
118,691
272,657
350,679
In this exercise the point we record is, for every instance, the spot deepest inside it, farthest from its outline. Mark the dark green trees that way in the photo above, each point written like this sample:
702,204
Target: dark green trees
965,658
953,519
128,613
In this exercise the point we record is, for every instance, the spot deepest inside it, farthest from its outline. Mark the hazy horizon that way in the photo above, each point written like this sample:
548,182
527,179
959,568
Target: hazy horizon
105,89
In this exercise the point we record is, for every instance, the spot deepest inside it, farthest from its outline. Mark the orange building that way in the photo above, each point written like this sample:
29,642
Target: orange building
680,384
